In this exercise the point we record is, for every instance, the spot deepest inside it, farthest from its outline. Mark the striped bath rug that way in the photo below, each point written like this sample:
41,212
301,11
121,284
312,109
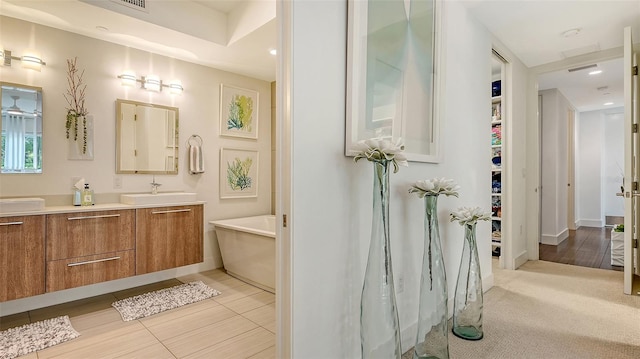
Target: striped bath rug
18,341
147,304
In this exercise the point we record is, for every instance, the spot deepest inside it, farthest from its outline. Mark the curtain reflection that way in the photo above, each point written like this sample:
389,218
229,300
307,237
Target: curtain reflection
21,124
14,145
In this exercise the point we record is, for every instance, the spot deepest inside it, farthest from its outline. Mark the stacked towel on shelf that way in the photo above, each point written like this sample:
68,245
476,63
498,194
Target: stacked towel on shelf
196,162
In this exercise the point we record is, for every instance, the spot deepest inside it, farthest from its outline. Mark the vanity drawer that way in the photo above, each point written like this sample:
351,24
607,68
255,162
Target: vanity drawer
21,256
71,235
75,272
168,237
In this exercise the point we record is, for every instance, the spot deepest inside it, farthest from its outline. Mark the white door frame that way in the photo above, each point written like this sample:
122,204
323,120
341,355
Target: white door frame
571,167
631,160
534,136
284,247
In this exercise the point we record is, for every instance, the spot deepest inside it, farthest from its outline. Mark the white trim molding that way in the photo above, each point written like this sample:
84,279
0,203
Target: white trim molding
598,223
555,239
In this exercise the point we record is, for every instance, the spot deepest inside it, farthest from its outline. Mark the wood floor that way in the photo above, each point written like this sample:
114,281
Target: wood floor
585,247
239,323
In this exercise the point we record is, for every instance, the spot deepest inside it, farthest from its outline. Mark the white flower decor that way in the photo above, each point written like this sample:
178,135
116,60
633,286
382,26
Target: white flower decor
470,215
379,150
435,187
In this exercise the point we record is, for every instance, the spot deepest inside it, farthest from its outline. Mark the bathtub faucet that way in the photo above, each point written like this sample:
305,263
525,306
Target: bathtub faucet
154,186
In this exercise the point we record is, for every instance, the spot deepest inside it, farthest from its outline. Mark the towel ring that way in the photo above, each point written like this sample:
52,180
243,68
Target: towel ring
196,138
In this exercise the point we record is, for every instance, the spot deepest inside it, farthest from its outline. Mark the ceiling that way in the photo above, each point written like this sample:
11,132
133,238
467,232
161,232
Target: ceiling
230,35
534,32
236,35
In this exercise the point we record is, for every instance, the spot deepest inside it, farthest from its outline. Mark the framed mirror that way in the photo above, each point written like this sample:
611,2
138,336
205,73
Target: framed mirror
146,138
21,128
392,68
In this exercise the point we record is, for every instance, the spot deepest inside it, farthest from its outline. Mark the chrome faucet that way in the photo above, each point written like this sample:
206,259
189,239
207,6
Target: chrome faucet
154,186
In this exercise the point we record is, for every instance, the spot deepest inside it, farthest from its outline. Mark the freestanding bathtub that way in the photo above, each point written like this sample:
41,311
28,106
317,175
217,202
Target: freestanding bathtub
248,249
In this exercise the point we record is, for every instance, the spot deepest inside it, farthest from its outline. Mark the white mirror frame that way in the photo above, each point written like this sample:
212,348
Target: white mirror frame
36,133
356,87
167,154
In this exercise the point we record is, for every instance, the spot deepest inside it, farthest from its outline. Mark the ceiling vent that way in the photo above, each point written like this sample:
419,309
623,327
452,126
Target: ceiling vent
133,4
583,67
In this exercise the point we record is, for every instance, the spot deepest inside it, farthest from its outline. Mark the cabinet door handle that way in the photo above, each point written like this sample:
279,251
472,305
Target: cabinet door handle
172,211
11,223
93,261
91,217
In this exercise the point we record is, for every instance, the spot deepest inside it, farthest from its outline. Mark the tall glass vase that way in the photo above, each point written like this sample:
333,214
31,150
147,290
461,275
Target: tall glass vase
431,340
379,328
467,307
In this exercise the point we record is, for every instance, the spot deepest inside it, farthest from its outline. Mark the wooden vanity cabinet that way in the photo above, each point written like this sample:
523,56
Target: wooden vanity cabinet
168,237
89,247
21,256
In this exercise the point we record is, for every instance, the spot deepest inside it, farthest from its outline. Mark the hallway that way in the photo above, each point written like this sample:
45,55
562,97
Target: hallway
585,247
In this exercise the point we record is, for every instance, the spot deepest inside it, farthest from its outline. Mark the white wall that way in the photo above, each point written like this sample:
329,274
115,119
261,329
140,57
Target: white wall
555,109
589,175
331,198
613,161
600,157
199,114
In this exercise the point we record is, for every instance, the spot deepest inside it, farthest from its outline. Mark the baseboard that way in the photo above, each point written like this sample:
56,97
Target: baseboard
487,283
408,334
520,260
598,223
555,240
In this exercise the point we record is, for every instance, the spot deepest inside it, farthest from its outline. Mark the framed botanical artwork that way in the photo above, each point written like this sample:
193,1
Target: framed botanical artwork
238,112
238,173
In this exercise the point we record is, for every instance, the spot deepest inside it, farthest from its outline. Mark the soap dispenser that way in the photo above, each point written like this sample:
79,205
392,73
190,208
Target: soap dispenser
87,196
77,197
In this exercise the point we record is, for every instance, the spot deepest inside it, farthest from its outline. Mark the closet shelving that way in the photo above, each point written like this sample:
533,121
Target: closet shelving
496,167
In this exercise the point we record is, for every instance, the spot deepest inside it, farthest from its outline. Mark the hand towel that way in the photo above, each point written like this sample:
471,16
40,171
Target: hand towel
196,162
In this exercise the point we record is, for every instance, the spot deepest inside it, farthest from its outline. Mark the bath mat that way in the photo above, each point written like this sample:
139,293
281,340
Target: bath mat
18,341
147,304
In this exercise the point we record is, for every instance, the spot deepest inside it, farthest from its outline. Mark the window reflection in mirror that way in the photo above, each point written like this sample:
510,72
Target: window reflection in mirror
21,128
147,138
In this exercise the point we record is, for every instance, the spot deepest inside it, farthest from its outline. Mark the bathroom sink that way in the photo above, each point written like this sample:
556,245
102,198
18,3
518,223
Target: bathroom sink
21,204
160,198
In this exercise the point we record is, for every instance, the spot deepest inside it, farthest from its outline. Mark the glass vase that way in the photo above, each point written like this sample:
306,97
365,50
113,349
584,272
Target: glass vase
467,307
379,328
432,340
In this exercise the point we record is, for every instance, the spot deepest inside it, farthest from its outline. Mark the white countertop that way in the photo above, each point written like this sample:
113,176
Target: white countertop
94,208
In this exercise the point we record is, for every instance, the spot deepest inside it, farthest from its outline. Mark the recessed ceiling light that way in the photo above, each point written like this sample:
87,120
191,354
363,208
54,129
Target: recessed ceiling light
607,103
273,52
571,32
595,72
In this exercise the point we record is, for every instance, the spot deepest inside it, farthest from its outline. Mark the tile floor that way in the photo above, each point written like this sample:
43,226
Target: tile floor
239,323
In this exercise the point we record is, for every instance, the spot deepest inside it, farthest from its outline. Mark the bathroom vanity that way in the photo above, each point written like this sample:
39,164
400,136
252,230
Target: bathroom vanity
65,247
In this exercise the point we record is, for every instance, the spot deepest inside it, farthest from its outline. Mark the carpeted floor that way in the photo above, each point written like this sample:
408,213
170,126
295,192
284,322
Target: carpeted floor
551,310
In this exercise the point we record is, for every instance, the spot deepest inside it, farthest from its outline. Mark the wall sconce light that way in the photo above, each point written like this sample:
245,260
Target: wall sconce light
150,82
128,78
175,87
30,60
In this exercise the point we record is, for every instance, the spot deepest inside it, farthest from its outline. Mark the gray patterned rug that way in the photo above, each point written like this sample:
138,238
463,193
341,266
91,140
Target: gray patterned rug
18,341
147,304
